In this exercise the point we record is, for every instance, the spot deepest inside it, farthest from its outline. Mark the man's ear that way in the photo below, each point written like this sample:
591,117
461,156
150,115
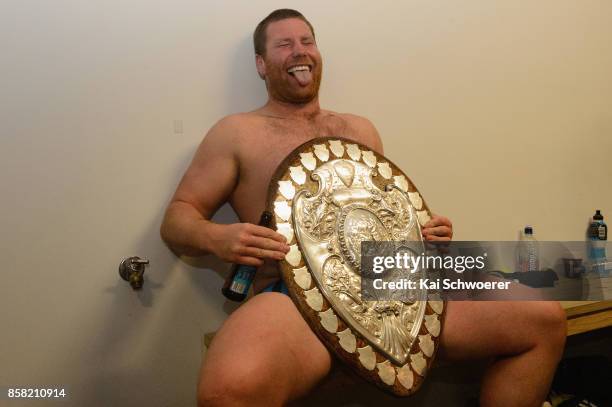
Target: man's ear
261,66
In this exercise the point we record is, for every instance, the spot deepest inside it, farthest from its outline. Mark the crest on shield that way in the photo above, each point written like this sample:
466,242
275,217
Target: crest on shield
328,196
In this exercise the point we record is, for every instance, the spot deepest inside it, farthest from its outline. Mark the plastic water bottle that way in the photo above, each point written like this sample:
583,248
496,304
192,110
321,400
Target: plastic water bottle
598,234
528,258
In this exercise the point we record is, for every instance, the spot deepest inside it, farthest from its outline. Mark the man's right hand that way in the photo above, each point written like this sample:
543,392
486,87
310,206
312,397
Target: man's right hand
246,243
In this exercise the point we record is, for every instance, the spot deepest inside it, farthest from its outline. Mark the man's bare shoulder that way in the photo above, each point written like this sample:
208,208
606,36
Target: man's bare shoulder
230,130
363,128
236,123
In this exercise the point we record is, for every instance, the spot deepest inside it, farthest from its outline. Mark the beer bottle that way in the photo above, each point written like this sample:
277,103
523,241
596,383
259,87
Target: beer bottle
241,276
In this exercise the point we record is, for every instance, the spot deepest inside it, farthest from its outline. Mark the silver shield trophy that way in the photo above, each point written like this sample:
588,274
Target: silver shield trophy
328,196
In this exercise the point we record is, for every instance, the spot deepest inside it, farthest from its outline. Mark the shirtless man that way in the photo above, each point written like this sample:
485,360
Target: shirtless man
265,353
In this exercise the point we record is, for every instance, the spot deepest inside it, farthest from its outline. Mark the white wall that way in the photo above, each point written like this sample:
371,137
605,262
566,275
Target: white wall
498,111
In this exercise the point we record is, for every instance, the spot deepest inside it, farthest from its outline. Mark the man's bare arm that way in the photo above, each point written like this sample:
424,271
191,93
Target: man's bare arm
206,185
186,227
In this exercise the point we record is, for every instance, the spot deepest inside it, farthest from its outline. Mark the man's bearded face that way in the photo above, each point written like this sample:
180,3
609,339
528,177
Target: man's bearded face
292,62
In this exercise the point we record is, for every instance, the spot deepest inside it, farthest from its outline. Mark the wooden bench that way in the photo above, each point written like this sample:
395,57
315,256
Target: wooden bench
585,316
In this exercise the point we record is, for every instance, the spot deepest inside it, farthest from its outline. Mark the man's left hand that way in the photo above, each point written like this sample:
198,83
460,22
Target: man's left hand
438,229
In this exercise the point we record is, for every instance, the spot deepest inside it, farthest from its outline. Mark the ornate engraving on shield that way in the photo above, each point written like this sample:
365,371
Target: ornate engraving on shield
346,210
328,204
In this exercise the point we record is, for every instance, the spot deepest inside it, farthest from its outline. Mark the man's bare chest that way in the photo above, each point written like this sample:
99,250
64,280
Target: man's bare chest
276,139
263,148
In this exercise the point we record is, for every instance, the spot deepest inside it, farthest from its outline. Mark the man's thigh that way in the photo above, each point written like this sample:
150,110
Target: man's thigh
483,329
266,342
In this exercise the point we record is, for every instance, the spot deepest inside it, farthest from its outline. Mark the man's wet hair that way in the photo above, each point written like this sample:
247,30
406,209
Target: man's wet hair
259,36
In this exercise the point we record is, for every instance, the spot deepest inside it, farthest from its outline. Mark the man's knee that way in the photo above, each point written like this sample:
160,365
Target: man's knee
265,377
241,382
222,391
551,322
552,317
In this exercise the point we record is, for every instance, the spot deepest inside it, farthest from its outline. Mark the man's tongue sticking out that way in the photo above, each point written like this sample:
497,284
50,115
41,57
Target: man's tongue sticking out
303,77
